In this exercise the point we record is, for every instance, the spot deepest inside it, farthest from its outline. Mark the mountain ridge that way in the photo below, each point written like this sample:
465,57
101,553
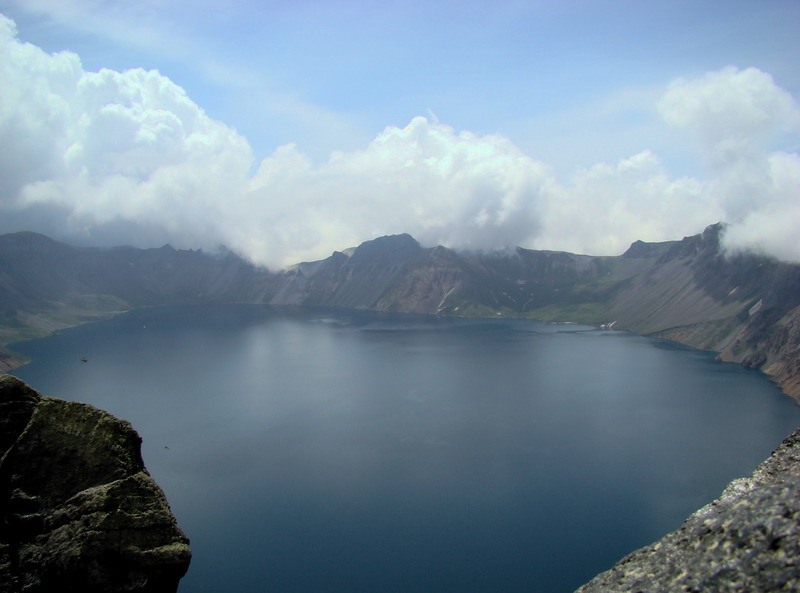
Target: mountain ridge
746,307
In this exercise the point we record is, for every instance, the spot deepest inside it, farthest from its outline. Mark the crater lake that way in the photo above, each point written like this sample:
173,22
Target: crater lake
333,451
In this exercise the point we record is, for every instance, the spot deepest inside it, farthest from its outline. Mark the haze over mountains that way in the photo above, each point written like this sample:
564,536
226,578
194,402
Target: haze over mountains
746,307
105,155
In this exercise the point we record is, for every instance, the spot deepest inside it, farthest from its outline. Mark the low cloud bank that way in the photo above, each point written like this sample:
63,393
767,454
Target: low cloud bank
126,157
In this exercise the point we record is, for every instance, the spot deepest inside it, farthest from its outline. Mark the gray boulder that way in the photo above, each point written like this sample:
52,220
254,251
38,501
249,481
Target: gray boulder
79,510
746,541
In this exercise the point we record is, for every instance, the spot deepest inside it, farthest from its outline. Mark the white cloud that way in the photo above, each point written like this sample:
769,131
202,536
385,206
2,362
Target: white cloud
126,157
105,147
736,115
34,111
444,188
606,207
733,113
771,223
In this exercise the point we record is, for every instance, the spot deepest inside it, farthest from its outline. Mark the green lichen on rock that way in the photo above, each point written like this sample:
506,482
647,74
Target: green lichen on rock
80,511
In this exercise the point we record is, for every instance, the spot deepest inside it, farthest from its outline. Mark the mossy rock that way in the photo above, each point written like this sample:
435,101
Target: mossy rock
80,511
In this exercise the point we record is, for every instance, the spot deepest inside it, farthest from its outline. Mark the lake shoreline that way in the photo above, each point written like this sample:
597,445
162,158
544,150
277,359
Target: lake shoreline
10,360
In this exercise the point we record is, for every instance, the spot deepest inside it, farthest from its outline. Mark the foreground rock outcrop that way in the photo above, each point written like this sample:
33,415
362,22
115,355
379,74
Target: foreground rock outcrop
746,541
79,511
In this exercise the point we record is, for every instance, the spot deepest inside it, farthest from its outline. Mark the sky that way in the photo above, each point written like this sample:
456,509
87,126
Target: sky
287,130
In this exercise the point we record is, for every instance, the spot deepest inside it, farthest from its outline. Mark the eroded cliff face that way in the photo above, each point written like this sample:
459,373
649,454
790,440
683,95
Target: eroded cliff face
79,510
747,540
744,306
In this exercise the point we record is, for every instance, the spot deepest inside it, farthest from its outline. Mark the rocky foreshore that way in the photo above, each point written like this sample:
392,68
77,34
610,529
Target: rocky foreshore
79,510
746,541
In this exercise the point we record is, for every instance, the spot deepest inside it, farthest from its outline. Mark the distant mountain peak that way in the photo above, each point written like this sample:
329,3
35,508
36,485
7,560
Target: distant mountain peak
643,249
390,248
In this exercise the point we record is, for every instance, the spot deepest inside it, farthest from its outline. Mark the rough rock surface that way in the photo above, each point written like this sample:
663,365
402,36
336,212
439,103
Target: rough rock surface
79,510
746,541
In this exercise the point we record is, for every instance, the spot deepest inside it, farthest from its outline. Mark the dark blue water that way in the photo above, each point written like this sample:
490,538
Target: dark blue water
317,451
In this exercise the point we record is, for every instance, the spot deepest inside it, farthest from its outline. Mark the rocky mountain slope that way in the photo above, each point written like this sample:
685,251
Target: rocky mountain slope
46,285
79,510
744,306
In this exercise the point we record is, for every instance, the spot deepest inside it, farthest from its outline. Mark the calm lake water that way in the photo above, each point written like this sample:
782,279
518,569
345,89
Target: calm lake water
319,451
